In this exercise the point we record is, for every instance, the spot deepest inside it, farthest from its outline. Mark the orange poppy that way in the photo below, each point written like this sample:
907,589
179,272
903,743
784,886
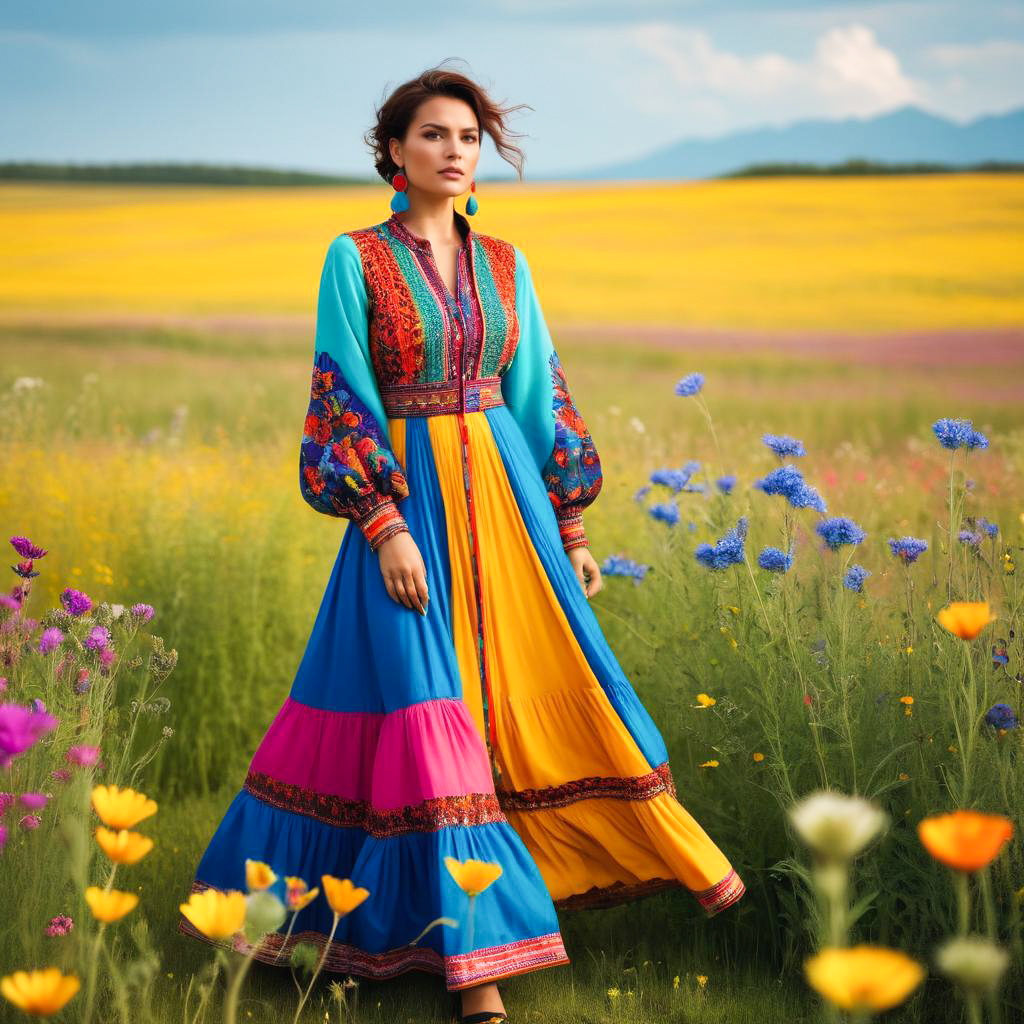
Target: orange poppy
965,840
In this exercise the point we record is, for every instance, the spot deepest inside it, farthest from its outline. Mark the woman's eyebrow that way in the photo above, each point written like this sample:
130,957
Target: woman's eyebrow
434,124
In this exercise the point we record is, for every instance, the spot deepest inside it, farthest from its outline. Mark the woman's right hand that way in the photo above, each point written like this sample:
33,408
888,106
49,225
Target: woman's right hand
405,575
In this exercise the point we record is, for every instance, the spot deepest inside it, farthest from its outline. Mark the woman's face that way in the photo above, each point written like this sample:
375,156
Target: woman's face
443,133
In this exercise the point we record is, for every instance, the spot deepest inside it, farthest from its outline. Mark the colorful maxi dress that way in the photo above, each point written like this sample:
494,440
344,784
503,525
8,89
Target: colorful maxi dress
499,726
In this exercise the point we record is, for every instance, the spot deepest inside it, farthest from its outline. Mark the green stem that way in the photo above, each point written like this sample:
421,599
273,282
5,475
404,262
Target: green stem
963,902
235,986
764,611
323,958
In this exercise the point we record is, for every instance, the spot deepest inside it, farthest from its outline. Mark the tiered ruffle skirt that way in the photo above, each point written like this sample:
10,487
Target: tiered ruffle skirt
499,726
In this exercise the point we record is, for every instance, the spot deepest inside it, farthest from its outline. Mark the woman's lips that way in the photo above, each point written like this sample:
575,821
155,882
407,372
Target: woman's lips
450,173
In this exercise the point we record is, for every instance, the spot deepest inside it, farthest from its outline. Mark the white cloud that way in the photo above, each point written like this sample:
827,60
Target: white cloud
848,73
952,55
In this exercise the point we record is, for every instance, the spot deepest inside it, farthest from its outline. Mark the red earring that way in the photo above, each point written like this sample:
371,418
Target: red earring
400,201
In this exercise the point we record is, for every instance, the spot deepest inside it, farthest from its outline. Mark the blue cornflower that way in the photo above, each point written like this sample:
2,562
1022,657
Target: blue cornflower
992,529
789,482
619,565
641,492
1001,716
855,577
969,537
1000,656
775,560
784,445
840,530
908,548
690,384
726,483
958,433
728,551
667,511
678,479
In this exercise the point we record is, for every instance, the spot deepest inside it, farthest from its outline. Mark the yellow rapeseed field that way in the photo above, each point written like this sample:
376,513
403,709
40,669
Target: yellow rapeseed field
857,253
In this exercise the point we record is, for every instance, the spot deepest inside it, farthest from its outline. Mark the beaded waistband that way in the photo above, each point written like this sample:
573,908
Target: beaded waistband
436,398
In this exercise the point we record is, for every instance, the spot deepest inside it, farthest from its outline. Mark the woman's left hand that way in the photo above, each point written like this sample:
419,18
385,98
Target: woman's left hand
585,566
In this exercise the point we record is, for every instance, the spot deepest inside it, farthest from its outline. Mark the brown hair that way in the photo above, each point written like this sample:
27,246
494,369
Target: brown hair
395,113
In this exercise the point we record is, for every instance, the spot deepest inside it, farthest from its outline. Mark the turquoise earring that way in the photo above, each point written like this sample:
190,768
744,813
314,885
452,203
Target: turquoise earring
471,204
400,200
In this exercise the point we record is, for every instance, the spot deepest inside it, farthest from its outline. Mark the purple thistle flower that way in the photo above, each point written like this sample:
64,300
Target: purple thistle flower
855,577
1001,716
50,640
26,548
20,728
61,774
82,755
60,925
784,445
725,552
12,600
30,821
25,570
74,601
143,611
690,384
775,560
840,530
3,836
908,549
34,801
98,638
6,800
726,483
667,511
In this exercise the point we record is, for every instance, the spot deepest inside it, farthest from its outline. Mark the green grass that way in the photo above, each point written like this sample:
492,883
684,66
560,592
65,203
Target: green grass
204,521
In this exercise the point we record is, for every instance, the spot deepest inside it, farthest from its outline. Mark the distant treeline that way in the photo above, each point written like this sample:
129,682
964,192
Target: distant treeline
226,174
861,166
171,173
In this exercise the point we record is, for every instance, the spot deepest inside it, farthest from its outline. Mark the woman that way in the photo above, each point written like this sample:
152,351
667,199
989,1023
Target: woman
457,698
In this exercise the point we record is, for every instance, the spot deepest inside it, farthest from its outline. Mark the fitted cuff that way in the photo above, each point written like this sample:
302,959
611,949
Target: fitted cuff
570,526
382,522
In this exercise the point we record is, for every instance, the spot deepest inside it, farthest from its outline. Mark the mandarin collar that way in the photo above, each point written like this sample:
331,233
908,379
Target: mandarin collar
401,231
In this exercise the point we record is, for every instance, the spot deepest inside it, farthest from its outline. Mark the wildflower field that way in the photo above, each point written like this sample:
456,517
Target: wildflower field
812,566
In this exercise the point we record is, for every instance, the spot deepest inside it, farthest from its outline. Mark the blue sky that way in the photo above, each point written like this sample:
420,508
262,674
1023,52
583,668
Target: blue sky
293,85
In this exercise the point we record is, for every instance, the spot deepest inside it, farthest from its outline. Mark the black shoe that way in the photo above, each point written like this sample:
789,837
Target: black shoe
480,1017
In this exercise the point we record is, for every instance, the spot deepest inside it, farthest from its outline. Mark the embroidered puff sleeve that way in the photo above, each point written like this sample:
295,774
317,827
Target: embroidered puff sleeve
535,390
346,466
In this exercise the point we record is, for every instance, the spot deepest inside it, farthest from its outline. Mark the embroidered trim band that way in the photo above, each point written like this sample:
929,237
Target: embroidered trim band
637,787
723,894
441,397
439,812
428,816
461,970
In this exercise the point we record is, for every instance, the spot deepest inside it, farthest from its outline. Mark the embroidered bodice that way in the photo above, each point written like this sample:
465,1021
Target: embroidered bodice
393,341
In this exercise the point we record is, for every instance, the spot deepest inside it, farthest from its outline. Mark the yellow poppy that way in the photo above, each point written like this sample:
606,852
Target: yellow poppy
708,764
863,977
965,840
41,993
121,808
342,895
966,619
123,847
473,876
704,701
906,700
218,915
298,892
110,906
757,755
258,876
